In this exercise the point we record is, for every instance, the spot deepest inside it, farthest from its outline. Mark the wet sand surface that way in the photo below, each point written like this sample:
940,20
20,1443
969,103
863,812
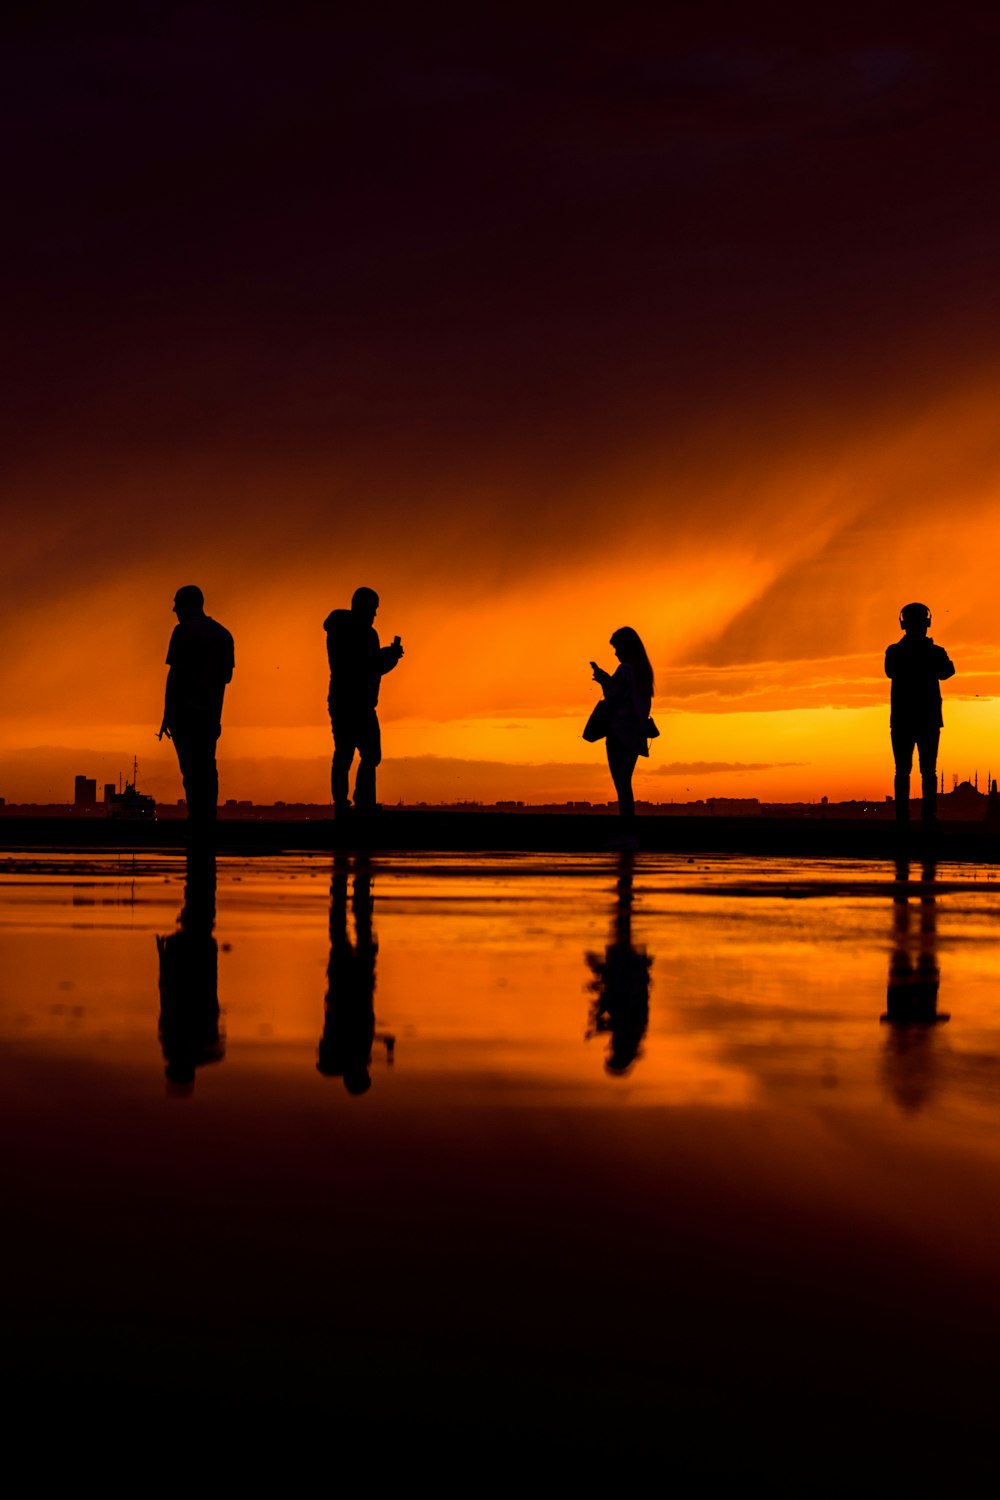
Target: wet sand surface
690,1162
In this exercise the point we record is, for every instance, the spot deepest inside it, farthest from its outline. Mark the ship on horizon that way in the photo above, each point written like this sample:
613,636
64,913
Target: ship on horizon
130,804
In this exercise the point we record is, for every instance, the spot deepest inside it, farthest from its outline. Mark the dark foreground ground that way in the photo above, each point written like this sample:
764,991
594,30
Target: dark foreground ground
572,1296
393,830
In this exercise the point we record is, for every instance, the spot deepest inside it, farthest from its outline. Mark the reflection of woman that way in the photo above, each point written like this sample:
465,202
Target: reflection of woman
620,985
628,695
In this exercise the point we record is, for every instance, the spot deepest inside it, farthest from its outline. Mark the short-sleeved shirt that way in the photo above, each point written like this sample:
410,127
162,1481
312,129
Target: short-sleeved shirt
202,658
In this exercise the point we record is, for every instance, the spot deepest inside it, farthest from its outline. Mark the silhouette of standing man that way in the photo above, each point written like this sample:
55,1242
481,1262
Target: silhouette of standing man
917,668
201,662
357,665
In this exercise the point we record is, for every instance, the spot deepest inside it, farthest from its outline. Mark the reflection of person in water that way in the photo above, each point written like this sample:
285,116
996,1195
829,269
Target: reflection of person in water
911,1010
345,1048
621,982
189,980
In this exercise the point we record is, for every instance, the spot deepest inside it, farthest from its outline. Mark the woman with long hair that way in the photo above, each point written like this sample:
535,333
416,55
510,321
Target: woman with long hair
628,693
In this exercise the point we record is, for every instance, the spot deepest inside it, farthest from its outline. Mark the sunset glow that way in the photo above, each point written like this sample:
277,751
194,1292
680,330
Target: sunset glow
685,328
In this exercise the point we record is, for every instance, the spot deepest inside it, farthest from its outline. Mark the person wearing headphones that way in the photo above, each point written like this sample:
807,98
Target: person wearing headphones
916,668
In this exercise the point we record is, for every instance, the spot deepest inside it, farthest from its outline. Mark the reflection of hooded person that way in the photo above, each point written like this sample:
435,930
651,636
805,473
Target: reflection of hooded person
345,1048
911,1005
621,983
189,979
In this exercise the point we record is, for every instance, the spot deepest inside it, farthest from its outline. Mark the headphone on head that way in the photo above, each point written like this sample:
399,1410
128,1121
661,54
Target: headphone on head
919,610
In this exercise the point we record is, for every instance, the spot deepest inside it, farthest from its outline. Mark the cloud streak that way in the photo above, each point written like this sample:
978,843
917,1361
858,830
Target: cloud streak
716,767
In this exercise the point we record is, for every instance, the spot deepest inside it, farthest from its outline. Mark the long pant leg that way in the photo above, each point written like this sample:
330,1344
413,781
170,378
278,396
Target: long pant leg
195,748
927,749
344,746
621,764
902,753
369,741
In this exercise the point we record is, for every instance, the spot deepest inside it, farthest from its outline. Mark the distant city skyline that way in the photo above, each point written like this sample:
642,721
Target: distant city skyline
84,800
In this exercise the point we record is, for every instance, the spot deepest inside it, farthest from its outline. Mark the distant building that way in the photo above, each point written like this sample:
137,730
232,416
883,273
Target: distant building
85,791
992,803
965,802
109,790
733,807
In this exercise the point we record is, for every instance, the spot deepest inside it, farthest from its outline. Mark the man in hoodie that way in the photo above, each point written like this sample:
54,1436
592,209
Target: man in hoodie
357,665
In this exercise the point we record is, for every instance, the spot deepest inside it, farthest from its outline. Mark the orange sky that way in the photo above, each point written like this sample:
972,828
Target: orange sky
686,326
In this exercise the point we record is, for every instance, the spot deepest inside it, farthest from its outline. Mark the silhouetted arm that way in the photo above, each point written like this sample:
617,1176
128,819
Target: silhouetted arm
946,667
168,705
388,656
618,686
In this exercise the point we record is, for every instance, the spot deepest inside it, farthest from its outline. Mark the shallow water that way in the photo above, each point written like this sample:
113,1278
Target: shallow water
671,1138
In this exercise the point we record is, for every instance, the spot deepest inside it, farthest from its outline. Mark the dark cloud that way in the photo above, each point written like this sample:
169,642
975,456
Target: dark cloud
491,235
714,767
